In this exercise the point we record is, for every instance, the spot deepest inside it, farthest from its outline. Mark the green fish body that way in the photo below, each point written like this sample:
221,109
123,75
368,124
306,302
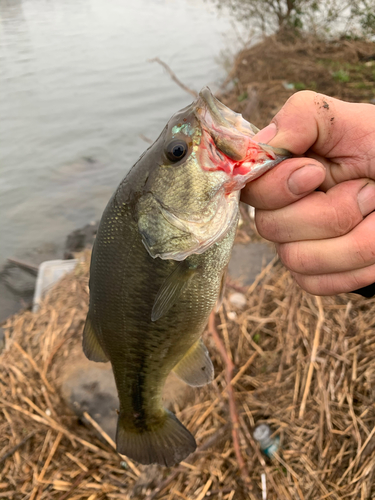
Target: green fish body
158,267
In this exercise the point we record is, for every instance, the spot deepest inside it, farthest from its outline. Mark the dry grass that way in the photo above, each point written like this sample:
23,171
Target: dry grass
303,364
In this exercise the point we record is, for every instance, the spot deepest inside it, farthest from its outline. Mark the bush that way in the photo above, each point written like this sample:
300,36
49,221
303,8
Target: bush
295,17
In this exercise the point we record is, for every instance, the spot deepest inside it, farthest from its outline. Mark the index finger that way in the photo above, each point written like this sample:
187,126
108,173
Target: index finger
286,183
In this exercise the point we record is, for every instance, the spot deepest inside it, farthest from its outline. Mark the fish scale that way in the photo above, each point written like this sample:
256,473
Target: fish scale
157,269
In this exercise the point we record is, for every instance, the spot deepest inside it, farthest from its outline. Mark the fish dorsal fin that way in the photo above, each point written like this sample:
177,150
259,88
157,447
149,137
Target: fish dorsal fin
196,367
91,347
171,290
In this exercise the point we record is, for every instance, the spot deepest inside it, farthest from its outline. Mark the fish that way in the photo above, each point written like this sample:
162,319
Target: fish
158,267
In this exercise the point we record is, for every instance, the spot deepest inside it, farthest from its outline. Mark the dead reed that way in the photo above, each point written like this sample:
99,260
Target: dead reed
303,364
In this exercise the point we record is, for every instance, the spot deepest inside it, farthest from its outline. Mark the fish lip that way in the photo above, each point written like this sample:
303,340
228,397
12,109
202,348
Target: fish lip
223,124
219,112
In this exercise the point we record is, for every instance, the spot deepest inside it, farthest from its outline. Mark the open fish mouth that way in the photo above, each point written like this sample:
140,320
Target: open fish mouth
228,129
223,116
229,145
226,148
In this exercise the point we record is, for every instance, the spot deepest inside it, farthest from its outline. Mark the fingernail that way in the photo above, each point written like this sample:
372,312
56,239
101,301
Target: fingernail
266,134
366,199
306,179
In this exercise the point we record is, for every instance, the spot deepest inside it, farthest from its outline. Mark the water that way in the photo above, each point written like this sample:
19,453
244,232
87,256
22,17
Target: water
76,93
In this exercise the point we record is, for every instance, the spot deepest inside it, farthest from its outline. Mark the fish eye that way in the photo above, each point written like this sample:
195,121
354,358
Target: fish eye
176,150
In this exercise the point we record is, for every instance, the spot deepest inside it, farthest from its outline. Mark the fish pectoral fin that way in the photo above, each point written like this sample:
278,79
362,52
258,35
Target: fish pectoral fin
90,344
167,444
196,368
222,288
171,290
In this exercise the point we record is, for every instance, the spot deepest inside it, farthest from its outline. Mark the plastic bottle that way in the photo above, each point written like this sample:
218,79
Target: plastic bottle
269,445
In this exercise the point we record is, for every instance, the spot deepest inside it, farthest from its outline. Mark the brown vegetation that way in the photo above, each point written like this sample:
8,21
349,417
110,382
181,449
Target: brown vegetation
344,69
301,363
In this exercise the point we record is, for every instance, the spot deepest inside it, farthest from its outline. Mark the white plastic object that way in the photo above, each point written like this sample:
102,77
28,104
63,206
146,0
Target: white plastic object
49,273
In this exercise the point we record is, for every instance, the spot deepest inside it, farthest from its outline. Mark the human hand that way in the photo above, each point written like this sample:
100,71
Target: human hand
326,237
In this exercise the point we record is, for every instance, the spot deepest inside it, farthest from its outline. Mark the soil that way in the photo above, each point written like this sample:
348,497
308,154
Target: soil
263,77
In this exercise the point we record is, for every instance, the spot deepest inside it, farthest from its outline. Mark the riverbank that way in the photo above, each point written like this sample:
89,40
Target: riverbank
263,77
302,364
18,276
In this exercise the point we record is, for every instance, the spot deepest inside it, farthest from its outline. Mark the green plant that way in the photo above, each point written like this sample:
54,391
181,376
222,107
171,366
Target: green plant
341,76
242,96
256,338
362,85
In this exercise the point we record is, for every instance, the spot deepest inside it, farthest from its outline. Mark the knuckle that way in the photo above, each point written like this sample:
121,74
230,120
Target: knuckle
285,255
307,283
267,225
289,256
297,101
353,282
297,257
317,284
342,219
364,251
302,97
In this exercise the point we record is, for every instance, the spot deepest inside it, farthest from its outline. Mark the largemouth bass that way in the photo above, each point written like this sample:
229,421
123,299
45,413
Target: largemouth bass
158,266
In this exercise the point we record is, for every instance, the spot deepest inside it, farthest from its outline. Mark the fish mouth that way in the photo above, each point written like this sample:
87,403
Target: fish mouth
226,117
230,132
228,144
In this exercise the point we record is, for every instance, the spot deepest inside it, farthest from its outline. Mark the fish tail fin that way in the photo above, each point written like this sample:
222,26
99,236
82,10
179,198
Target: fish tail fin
166,445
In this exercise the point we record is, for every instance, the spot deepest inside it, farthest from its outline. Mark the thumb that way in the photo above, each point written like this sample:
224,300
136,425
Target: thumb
305,121
326,129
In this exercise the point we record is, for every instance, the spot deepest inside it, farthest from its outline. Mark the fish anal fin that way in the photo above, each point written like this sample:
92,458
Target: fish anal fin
166,445
171,290
90,344
196,368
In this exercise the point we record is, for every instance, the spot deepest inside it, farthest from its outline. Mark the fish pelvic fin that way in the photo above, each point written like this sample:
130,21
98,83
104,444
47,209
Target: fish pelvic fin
196,368
171,290
90,344
166,445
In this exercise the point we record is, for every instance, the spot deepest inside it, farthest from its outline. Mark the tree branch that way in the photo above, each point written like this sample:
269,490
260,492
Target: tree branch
229,368
174,77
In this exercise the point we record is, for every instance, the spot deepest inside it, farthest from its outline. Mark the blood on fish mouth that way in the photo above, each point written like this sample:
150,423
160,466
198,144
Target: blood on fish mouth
222,162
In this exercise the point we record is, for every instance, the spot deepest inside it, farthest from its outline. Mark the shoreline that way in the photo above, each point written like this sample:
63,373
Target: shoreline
18,277
342,69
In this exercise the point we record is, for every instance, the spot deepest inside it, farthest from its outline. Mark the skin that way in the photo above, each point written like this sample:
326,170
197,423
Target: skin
158,265
318,208
125,280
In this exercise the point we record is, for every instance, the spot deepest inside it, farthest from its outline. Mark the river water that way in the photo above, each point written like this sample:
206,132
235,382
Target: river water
77,92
